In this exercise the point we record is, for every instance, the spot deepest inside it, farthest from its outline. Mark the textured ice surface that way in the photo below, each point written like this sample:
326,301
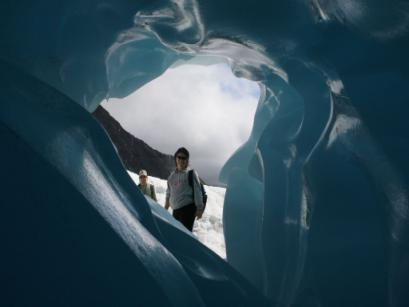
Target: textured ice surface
316,210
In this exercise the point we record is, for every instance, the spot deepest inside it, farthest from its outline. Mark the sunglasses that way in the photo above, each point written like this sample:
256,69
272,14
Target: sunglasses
181,157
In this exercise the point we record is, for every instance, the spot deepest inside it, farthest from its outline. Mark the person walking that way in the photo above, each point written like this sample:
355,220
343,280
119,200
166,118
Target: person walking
185,200
146,188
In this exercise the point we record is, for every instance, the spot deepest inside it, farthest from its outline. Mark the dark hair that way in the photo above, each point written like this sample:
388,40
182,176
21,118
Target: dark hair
182,150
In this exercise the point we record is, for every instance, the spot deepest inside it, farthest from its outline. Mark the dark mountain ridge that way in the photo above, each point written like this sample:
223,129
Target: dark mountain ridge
135,153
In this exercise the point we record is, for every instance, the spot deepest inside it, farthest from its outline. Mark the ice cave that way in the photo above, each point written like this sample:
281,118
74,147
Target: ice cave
316,209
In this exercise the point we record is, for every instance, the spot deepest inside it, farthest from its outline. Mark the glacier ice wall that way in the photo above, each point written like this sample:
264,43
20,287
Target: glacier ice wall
316,210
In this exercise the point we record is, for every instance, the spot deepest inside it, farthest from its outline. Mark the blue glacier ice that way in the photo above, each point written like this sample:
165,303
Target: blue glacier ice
316,210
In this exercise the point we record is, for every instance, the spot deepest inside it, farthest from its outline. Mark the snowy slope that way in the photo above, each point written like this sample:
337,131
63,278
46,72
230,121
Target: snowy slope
209,229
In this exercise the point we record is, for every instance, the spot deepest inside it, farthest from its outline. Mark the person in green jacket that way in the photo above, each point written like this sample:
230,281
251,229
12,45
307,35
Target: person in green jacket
146,188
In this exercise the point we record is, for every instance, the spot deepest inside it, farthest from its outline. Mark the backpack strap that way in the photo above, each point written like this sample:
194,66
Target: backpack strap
151,187
190,179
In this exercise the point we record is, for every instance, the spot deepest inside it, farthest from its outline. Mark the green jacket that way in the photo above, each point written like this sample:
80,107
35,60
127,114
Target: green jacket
149,190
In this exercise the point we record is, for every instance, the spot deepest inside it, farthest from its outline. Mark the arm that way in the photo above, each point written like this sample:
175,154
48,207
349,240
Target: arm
199,213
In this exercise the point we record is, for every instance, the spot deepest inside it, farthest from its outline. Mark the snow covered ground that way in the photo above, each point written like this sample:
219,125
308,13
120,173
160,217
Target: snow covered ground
209,229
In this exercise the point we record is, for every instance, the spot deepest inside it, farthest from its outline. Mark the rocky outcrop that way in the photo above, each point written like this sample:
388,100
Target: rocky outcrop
134,153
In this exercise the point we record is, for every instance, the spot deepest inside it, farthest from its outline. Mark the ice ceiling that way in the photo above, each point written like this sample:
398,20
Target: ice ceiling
316,211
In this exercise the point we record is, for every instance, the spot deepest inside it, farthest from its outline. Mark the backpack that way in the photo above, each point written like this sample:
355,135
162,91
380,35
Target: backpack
204,195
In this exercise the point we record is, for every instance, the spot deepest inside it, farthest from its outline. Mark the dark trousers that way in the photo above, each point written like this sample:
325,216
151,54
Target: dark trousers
186,215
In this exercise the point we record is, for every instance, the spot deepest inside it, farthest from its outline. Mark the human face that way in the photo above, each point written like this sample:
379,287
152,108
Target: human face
181,161
142,180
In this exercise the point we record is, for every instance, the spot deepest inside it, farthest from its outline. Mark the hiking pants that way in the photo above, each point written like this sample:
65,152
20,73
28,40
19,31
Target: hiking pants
186,215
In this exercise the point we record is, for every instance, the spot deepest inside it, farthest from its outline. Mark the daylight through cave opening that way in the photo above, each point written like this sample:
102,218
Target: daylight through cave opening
204,108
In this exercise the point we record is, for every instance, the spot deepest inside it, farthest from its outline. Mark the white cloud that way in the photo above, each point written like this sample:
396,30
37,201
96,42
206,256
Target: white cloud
203,108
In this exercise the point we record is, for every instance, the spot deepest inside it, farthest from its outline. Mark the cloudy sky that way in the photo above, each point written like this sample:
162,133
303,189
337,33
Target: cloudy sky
203,108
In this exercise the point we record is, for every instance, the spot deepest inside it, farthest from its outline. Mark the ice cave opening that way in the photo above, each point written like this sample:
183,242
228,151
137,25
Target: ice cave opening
202,107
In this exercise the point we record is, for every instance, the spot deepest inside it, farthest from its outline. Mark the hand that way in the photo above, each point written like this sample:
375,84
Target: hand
199,213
